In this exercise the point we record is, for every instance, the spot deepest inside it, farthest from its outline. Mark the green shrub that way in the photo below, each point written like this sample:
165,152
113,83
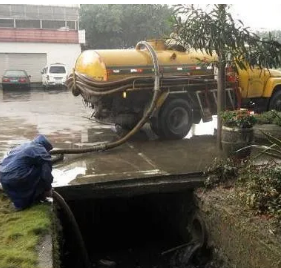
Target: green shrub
270,117
256,187
259,188
277,119
221,171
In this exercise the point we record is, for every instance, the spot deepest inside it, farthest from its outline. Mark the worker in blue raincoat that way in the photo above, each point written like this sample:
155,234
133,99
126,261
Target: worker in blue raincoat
26,173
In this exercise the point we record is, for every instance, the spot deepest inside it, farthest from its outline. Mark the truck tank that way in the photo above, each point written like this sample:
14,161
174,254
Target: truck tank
119,85
116,64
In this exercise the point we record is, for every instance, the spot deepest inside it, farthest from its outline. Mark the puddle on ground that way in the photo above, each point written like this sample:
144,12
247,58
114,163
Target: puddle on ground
67,124
207,128
63,177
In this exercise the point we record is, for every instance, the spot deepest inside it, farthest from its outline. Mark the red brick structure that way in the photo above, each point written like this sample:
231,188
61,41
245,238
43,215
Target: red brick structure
38,35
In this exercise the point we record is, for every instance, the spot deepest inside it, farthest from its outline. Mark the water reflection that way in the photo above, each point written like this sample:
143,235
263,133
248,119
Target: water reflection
55,90
207,128
65,176
11,95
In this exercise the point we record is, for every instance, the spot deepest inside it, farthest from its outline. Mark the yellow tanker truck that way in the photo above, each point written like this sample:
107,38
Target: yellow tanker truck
118,85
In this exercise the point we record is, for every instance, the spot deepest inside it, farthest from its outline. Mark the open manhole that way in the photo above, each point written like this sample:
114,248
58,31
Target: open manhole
139,231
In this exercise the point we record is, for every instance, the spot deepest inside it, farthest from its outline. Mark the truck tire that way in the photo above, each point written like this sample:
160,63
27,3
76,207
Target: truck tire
155,126
174,119
275,102
126,121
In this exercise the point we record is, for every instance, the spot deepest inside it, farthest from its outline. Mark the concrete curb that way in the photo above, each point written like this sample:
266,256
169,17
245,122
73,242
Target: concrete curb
242,239
45,252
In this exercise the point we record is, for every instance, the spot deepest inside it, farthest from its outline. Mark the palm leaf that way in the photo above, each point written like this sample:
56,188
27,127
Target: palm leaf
274,155
268,150
271,138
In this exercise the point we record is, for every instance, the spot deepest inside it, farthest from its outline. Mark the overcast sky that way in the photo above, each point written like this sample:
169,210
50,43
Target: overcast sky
256,16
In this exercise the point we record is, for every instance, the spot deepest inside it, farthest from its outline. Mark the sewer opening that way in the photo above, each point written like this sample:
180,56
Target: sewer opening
141,231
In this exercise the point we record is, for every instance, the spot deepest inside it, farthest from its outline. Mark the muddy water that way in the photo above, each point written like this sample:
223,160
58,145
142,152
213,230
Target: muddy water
65,121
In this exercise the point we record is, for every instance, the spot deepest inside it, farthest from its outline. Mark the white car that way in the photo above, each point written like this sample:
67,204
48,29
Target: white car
54,75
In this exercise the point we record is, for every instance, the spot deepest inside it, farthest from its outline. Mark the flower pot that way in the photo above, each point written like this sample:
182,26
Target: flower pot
234,138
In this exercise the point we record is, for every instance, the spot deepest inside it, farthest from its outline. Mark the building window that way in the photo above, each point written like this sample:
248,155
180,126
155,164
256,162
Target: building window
32,12
49,24
6,23
5,11
17,11
58,13
28,24
71,25
71,13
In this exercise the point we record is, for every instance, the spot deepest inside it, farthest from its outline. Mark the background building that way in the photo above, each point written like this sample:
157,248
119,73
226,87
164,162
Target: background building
32,36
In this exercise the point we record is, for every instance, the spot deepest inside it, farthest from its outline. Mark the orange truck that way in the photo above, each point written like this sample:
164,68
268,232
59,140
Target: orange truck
118,83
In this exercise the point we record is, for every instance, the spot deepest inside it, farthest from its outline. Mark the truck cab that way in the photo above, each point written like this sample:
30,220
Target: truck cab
260,88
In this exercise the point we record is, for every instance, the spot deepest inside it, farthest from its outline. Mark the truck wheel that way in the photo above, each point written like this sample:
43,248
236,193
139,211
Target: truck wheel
175,119
155,126
126,121
275,102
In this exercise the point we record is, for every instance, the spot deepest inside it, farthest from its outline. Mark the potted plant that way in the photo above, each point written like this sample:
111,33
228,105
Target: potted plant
237,132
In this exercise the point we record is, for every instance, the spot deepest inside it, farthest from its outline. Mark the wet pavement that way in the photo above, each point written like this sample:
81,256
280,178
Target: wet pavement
65,121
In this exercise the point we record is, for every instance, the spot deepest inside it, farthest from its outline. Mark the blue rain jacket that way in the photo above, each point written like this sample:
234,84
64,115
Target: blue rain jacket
26,172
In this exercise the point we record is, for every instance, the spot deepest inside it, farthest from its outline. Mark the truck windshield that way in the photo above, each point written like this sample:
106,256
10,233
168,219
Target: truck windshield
57,70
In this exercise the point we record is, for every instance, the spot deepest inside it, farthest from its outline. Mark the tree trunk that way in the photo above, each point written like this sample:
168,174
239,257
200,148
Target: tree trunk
221,98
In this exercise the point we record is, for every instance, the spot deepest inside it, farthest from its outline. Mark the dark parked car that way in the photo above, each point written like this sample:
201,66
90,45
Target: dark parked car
15,79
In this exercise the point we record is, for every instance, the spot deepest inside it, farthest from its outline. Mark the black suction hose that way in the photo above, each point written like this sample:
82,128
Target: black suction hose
110,145
76,231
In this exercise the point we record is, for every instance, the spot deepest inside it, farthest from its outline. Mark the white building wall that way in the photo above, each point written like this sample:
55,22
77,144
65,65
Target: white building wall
63,53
